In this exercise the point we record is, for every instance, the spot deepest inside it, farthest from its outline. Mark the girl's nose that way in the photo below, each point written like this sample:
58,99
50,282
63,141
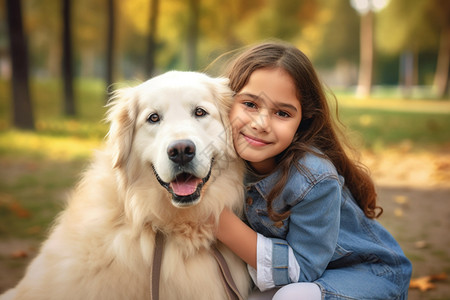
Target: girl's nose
261,122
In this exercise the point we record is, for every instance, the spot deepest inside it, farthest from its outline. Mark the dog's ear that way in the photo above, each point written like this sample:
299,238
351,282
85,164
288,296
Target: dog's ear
224,100
122,117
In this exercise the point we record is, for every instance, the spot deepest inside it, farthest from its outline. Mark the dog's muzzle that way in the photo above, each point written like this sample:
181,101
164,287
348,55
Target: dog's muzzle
185,187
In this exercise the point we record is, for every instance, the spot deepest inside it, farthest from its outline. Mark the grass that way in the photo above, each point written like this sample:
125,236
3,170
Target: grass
38,168
90,95
386,120
46,145
32,192
381,128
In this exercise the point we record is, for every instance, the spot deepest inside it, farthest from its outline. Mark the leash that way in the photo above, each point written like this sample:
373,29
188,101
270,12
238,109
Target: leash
225,274
156,266
227,279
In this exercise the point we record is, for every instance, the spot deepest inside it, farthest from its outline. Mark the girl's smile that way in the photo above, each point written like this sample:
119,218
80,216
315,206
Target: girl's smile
253,141
265,116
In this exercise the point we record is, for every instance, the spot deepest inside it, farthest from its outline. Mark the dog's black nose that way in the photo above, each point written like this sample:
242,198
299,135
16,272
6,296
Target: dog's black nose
181,151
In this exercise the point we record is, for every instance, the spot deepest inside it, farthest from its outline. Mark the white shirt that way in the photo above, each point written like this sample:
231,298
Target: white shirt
262,276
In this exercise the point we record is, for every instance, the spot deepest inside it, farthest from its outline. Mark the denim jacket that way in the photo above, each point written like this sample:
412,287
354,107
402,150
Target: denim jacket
336,246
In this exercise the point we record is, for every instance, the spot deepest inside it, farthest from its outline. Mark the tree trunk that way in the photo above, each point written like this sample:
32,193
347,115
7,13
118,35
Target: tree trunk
151,52
22,110
407,72
366,55
194,8
441,77
67,70
110,45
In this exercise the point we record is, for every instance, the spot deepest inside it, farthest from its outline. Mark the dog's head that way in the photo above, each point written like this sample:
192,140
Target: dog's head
175,125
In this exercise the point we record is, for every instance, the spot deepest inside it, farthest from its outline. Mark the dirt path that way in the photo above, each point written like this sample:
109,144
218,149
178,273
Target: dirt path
414,190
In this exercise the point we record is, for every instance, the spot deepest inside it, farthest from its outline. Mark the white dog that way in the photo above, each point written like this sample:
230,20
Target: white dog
169,166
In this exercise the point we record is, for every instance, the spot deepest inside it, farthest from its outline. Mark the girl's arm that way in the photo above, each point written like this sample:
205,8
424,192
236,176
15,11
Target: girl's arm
237,236
256,251
310,241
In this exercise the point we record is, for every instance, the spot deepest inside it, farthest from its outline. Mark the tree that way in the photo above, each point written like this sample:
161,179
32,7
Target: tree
193,33
43,27
441,8
275,19
337,37
367,9
22,109
151,52
110,43
366,55
67,71
411,27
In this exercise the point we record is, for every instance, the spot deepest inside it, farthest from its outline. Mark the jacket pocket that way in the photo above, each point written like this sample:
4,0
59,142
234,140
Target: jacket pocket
270,228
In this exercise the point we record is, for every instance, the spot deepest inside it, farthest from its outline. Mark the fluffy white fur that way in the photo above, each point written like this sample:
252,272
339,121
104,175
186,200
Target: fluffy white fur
101,246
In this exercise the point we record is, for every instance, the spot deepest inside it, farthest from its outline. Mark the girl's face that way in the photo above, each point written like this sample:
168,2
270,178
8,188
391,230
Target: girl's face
264,117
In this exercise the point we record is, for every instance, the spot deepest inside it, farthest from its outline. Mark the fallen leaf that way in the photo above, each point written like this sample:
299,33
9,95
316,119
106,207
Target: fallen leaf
19,210
9,201
443,165
32,166
19,254
421,244
398,212
439,277
400,199
34,229
424,283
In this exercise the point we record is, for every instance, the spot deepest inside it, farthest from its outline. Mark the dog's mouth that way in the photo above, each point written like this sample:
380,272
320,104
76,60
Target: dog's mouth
185,188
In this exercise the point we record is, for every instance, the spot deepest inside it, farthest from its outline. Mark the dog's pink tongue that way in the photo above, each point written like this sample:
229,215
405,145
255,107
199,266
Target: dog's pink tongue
184,187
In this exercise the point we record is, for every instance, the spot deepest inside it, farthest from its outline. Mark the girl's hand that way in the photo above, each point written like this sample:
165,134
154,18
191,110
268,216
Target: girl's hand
240,238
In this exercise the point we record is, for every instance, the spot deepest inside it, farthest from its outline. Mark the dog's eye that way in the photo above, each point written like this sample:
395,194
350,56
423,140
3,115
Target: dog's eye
153,118
200,112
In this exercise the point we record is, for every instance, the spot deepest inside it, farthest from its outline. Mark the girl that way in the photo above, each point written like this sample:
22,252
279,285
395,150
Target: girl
309,207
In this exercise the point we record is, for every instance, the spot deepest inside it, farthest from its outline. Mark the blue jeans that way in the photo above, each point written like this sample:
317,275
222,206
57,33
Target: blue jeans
357,284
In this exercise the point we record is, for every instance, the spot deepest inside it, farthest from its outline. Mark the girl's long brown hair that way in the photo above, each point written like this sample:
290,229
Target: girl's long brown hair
317,128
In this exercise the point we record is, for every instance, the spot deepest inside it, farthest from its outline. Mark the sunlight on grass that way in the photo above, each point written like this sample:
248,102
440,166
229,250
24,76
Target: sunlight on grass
399,105
71,127
382,124
386,120
365,120
18,143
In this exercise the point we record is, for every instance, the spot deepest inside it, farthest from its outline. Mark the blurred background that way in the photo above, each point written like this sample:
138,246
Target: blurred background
386,61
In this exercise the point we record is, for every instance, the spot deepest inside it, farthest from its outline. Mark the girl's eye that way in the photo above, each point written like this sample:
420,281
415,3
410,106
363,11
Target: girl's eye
153,118
282,114
200,112
249,104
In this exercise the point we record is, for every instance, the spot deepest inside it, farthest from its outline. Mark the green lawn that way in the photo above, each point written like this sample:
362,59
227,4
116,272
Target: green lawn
385,120
379,128
37,169
32,192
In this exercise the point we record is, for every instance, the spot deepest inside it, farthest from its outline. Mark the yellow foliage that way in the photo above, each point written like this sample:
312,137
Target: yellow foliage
136,13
